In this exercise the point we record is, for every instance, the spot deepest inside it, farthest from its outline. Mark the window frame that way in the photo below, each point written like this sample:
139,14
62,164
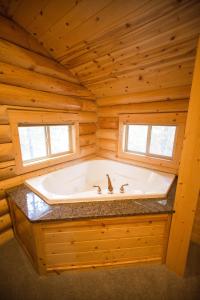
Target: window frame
48,142
41,118
153,161
148,144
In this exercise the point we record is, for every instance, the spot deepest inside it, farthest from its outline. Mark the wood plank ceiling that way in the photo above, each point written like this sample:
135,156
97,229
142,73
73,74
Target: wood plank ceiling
116,47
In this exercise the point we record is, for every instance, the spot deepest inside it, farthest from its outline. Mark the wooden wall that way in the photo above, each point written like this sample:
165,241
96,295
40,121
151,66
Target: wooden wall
135,56
158,101
31,80
187,192
55,247
196,226
116,47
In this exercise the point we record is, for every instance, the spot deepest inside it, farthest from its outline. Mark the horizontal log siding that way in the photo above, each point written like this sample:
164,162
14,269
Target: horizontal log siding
29,79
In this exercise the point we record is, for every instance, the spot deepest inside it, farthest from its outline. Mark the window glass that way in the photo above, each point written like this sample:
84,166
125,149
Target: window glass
39,142
137,138
32,142
60,138
152,140
162,140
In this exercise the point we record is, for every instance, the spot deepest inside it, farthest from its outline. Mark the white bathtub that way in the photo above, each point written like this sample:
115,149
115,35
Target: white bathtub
75,183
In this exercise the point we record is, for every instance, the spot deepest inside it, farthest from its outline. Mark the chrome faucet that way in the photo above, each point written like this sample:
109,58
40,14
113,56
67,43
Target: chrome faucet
110,187
122,188
98,188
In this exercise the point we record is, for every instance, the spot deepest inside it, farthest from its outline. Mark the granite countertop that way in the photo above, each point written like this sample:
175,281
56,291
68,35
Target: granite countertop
36,209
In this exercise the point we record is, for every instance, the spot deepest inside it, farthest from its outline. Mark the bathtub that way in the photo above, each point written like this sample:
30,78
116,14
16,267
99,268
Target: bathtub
76,183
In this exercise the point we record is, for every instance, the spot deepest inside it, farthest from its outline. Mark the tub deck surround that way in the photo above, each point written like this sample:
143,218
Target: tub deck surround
79,183
90,234
36,209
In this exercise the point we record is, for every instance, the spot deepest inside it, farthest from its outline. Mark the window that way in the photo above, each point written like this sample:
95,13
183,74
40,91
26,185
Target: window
136,140
42,139
162,140
42,142
152,140
60,139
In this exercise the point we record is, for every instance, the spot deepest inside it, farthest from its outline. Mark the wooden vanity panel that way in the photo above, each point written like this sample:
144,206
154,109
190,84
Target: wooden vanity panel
107,232
62,245
102,245
105,241
29,236
23,231
93,258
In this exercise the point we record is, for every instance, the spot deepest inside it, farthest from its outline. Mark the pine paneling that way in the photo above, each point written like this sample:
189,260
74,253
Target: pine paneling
13,33
187,192
116,47
124,52
56,246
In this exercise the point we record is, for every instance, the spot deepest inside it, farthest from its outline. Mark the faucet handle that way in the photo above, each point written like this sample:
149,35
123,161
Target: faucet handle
98,188
122,188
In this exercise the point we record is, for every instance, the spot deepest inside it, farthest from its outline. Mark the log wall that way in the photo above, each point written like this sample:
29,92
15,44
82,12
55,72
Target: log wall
109,109
31,80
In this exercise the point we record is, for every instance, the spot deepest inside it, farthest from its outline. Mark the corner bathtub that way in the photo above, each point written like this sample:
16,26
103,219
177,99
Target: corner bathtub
75,183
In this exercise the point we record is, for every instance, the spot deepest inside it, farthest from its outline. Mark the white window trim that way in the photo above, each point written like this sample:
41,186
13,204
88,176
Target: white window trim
48,144
17,118
153,161
147,152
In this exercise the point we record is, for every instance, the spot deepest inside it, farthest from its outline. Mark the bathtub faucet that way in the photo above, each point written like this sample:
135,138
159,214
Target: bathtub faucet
110,187
122,188
98,188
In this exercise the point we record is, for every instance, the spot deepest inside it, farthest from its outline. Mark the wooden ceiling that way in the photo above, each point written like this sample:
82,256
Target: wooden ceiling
116,47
